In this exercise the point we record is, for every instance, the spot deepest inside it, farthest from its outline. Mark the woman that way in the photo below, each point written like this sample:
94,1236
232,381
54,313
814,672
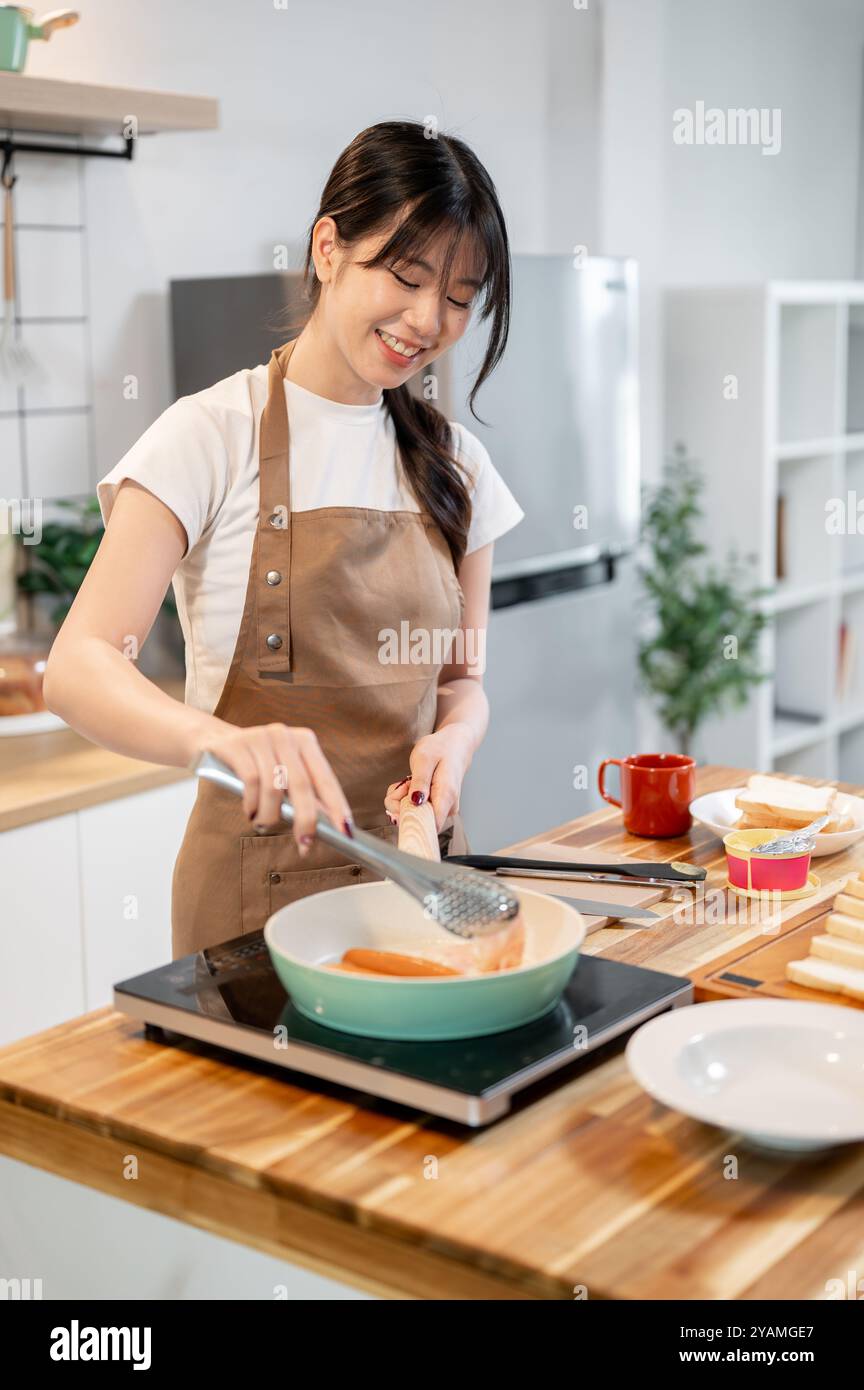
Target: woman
289,578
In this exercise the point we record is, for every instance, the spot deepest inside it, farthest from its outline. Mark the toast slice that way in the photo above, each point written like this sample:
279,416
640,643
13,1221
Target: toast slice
836,949
849,906
827,975
770,820
796,803
850,928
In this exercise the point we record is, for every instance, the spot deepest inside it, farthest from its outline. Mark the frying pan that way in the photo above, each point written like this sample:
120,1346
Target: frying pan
305,936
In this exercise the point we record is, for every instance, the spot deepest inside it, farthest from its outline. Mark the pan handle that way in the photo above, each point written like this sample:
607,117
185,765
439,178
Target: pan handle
417,832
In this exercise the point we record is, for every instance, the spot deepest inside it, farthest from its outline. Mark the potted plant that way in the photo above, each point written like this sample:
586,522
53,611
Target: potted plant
700,655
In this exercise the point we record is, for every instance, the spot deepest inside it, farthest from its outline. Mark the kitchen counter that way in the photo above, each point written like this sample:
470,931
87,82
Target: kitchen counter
586,1184
51,774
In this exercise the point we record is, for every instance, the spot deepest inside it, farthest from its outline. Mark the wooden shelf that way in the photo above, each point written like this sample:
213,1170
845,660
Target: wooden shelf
55,107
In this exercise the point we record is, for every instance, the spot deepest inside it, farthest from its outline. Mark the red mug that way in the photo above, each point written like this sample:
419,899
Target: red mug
656,791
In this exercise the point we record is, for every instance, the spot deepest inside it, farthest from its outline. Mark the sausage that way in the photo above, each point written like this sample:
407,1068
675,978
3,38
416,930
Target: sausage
391,963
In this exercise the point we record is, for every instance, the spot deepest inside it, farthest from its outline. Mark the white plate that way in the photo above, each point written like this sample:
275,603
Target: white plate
42,722
718,812
785,1074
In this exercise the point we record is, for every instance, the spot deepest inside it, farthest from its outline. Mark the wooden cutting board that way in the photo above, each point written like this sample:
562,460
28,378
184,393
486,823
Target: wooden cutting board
759,971
618,895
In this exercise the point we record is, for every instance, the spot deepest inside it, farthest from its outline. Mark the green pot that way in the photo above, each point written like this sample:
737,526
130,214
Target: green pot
17,29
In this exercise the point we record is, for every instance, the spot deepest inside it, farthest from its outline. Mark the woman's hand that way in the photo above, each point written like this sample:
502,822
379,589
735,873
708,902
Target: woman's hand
274,762
438,765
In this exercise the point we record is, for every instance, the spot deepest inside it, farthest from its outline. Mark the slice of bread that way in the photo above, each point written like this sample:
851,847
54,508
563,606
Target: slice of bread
770,820
849,906
795,802
827,975
850,928
835,948
764,820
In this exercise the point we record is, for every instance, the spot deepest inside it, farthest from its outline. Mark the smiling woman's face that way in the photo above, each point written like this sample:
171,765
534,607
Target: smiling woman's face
365,310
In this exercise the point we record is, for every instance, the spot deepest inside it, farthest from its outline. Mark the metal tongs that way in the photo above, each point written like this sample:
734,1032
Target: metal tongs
463,901
796,842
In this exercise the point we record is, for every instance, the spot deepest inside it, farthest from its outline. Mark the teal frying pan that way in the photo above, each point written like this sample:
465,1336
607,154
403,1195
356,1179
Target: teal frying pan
308,937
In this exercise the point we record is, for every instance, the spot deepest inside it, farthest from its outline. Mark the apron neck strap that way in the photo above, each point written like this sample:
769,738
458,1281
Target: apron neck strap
273,539
274,421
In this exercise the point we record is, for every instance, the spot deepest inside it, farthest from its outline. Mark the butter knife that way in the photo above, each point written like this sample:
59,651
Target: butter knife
615,910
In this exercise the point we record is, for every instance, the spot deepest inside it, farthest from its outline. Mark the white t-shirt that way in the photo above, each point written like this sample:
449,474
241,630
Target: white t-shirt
200,457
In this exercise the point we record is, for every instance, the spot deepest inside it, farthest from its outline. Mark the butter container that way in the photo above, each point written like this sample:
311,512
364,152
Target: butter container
751,873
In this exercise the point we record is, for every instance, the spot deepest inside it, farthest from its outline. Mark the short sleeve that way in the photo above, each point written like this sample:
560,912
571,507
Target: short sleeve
494,508
183,459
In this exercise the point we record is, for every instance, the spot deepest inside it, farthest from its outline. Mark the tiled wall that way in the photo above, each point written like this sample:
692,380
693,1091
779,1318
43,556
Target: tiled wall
46,427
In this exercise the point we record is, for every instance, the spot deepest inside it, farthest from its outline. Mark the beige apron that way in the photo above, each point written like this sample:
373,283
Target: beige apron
322,586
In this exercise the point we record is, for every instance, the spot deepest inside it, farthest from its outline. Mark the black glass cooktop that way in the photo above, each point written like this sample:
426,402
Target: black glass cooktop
230,996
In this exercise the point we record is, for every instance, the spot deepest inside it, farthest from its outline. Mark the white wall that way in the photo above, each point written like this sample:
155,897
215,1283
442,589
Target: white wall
571,109
732,210
726,214
518,82
715,214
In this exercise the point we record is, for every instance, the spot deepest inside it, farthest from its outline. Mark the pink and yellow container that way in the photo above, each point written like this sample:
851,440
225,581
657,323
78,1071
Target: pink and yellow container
751,874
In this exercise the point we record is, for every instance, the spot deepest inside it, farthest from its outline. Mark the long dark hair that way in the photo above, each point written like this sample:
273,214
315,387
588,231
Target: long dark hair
441,187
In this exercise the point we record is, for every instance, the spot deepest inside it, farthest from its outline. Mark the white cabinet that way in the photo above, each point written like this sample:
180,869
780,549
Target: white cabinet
86,901
41,967
127,851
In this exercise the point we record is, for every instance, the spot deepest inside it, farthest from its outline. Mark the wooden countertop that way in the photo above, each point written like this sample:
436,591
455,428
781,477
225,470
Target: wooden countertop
589,1183
45,775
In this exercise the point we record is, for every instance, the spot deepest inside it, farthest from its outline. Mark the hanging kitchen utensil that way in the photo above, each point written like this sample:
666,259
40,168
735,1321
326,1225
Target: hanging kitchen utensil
17,29
17,364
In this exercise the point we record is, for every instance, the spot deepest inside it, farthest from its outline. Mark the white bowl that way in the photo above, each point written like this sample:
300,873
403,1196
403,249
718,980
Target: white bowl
717,811
785,1074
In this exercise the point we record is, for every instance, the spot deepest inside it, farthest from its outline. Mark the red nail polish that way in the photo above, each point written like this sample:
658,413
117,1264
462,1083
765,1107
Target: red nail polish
418,798
348,827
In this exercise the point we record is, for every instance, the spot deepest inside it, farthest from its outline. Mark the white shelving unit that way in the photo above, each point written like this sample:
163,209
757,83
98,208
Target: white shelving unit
765,388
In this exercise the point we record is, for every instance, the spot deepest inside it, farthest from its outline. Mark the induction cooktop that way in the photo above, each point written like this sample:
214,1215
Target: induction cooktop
230,996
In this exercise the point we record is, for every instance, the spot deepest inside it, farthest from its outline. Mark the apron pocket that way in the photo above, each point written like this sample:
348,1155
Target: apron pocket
290,885
273,875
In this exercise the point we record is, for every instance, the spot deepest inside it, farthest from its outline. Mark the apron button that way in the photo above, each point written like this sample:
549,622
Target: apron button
274,641
275,878
275,519
274,577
